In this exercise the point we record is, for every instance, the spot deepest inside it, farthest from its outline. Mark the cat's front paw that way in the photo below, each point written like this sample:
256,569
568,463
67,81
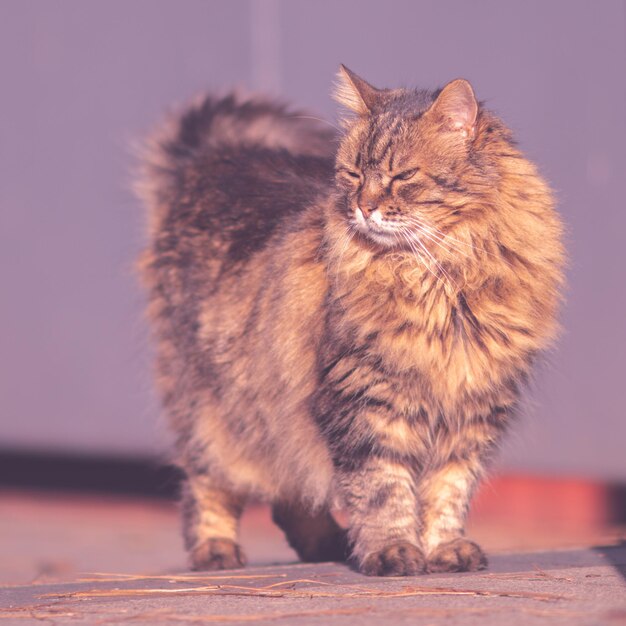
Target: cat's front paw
398,559
458,555
215,554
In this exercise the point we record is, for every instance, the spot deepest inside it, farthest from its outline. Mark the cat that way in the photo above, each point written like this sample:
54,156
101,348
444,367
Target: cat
345,319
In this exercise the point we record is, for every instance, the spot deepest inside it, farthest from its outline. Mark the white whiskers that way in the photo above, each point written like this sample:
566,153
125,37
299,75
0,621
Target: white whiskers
412,237
454,243
317,119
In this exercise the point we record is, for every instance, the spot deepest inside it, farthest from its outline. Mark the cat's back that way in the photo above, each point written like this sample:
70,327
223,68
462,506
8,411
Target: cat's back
233,191
220,178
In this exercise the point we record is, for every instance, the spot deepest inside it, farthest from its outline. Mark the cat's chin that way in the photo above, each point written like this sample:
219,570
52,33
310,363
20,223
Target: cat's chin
386,239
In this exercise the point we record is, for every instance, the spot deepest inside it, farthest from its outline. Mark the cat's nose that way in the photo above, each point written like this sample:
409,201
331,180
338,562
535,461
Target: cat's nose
370,195
367,207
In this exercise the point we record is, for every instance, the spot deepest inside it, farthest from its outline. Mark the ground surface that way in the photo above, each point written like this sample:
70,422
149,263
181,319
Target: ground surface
101,561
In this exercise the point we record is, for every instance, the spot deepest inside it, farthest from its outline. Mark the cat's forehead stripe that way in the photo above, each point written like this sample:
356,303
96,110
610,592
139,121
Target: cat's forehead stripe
381,141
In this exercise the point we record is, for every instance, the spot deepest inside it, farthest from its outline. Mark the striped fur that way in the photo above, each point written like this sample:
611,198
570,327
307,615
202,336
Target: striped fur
345,321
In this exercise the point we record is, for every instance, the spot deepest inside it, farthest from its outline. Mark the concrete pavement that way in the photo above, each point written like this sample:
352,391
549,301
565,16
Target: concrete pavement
574,587
47,541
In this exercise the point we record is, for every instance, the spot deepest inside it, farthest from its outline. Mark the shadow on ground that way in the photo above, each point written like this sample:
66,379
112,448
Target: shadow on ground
616,555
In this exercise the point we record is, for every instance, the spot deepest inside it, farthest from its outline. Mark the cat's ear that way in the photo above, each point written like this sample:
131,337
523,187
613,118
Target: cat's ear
354,93
456,108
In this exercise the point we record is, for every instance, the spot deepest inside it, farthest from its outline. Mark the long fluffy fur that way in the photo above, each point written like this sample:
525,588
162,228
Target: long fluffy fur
306,364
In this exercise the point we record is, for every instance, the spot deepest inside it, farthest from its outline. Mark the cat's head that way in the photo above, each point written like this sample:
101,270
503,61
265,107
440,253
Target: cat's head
408,160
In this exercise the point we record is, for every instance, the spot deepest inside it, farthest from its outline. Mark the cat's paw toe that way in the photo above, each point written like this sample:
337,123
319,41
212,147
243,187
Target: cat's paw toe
397,559
458,555
214,554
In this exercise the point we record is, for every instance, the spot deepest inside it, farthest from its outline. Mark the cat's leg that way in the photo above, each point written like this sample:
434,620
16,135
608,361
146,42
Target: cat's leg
210,524
315,536
444,501
380,498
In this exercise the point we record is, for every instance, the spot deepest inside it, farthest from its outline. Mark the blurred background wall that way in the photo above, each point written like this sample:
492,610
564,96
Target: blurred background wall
83,81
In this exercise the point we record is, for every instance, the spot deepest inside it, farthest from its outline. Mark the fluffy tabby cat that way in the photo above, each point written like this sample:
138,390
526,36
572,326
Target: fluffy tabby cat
345,320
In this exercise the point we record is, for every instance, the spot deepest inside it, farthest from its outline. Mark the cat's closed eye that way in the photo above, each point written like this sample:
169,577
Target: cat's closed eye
407,174
350,176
